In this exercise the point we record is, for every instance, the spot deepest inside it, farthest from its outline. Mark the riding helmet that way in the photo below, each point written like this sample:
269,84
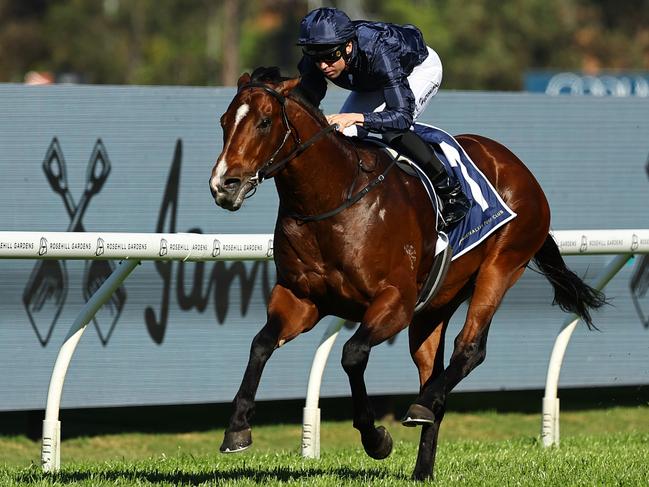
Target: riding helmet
325,26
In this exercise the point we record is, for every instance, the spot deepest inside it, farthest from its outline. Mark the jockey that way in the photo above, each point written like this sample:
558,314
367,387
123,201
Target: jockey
393,76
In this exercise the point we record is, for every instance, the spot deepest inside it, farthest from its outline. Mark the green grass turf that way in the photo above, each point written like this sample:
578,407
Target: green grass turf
599,447
618,459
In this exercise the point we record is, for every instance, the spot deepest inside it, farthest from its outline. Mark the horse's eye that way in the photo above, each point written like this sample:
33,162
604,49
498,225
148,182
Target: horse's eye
265,123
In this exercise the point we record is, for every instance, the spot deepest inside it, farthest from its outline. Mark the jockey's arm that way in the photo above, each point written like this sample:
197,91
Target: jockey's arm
398,114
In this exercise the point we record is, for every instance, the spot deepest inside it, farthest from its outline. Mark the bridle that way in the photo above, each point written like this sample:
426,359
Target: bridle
271,167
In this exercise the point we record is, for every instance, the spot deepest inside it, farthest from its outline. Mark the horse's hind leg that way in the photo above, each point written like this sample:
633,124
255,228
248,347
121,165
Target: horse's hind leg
427,351
385,317
494,278
288,316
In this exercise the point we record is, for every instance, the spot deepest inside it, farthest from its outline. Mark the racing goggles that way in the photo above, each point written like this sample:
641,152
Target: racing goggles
327,54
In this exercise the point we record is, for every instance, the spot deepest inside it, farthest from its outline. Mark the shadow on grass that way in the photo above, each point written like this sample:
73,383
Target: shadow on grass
258,475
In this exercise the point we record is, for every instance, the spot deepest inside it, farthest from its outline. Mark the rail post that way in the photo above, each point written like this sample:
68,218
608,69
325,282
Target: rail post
51,446
311,411
550,417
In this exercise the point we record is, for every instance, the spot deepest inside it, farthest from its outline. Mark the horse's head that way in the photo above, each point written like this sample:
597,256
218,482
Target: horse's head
255,130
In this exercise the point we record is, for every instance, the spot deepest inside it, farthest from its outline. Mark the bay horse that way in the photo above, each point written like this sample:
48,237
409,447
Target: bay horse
356,240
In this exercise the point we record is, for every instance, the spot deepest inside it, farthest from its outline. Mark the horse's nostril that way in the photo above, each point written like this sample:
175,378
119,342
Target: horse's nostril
232,183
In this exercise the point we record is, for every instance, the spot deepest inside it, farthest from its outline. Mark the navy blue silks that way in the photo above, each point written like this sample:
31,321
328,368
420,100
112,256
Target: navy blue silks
383,56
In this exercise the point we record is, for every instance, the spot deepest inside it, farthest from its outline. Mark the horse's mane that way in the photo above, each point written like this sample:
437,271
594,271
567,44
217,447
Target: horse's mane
299,94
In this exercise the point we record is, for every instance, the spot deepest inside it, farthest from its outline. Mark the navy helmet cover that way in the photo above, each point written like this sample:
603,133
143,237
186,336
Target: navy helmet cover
325,26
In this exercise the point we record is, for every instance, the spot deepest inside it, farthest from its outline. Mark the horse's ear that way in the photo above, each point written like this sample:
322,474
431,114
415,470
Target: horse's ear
243,80
285,87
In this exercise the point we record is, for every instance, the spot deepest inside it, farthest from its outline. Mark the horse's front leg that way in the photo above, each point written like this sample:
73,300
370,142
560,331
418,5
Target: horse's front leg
288,316
388,314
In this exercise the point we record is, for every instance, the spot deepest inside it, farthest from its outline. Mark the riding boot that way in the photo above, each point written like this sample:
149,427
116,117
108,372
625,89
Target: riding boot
455,204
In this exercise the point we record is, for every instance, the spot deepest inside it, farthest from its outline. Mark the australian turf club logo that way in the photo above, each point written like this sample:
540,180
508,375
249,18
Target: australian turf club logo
47,289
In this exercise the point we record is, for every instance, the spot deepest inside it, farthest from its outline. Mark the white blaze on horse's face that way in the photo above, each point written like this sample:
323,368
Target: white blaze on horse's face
243,150
217,179
242,111
221,165
253,126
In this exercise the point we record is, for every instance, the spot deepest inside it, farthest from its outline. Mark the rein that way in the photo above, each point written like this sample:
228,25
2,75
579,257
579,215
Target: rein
271,167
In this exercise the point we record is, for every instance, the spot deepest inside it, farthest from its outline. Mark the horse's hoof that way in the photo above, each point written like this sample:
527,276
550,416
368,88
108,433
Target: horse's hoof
381,449
236,441
418,415
422,476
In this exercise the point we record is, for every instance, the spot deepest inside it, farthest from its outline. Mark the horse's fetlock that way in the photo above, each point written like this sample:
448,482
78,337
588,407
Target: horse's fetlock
244,407
364,422
438,407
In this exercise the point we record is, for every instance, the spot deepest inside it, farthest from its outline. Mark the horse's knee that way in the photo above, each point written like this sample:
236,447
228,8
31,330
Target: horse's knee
355,356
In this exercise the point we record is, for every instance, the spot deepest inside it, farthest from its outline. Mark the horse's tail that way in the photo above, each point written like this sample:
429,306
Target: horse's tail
571,293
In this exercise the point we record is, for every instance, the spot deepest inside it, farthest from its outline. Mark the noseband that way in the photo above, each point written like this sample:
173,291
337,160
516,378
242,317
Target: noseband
271,167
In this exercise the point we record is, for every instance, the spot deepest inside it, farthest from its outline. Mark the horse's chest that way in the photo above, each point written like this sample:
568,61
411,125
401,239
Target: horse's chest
318,268
318,281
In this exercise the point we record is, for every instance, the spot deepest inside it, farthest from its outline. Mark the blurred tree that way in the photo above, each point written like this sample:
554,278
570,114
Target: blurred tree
269,34
612,35
22,42
143,42
484,44
230,42
488,44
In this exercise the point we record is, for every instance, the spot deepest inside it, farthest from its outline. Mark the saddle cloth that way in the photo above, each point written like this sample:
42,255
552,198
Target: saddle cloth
488,211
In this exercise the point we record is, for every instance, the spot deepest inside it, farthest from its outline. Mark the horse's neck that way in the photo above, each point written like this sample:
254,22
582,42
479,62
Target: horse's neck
317,180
